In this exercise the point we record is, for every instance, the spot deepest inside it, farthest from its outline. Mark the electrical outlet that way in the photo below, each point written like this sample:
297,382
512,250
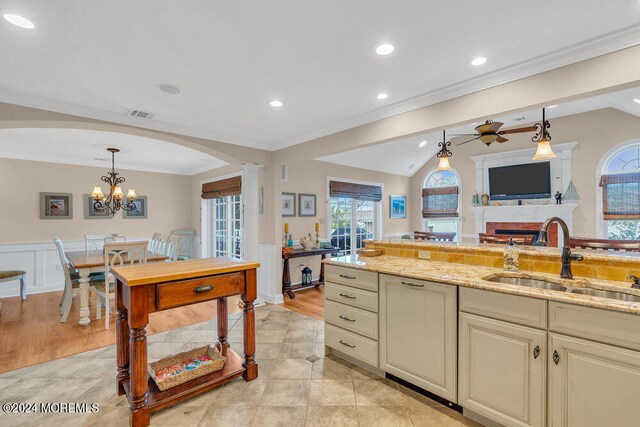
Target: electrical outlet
424,254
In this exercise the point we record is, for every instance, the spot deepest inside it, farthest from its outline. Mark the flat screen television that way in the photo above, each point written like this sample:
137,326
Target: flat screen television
525,181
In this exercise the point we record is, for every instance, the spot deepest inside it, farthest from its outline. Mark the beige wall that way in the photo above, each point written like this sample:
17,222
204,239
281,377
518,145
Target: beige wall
169,202
596,132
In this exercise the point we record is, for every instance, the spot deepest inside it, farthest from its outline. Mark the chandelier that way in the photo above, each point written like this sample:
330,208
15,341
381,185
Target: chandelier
116,199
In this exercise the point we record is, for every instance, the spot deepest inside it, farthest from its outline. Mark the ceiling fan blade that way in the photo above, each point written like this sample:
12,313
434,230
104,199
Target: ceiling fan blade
518,130
489,127
468,141
501,139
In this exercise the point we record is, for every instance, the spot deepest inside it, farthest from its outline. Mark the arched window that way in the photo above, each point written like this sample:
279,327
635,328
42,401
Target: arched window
441,202
619,186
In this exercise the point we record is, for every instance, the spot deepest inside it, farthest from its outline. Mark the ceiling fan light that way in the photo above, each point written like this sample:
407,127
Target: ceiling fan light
444,165
544,151
489,139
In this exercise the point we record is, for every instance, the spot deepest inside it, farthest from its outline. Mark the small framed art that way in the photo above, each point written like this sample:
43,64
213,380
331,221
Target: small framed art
288,204
90,212
397,206
140,210
306,204
56,206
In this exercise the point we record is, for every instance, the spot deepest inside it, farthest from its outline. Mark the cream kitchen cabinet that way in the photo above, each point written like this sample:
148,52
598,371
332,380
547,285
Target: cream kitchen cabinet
418,328
592,384
502,370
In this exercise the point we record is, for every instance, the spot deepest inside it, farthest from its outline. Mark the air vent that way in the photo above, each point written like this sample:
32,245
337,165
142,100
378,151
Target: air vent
519,119
283,172
100,159
141,114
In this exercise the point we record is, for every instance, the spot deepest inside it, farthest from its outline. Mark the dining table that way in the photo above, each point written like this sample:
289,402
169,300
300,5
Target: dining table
87,262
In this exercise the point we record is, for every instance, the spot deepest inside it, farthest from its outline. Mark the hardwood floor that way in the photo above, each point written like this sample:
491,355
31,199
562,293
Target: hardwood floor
308,301
31,332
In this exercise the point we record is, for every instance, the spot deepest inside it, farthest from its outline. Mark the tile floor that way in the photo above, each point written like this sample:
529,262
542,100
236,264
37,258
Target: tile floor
297,386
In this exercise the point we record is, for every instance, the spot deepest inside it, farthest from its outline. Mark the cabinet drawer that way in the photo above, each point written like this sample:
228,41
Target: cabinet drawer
351,296
610,327
354,345
352,277
511,308
354,319
186,292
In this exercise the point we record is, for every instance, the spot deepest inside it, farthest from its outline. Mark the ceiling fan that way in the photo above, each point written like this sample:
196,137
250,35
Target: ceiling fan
489,132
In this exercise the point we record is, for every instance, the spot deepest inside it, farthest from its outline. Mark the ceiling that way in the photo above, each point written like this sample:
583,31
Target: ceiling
230,59
405,157
89,148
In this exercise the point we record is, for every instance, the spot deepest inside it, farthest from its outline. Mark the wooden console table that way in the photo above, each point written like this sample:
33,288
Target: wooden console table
146,288
299,253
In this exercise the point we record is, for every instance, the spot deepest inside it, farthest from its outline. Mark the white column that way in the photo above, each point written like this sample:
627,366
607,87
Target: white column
251,233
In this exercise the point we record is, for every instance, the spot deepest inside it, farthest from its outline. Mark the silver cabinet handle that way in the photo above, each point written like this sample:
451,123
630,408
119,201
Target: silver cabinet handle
347,296
413,285
536,352
556,357
348,345
344,276
202,289
347,319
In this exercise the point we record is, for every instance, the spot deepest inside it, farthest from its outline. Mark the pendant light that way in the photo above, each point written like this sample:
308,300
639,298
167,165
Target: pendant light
543,138
444,153
116,199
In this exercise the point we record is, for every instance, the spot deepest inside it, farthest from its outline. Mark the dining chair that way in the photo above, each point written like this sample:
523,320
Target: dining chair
115,238
12,276
605,244
186,243
116,254
158,242
95,242
434,236
71,282
171,247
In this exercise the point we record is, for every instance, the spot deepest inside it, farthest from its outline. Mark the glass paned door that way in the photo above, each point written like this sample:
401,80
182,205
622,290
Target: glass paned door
352,222
226,226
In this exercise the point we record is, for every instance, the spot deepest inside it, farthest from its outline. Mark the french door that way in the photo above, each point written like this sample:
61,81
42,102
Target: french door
352,222
225,226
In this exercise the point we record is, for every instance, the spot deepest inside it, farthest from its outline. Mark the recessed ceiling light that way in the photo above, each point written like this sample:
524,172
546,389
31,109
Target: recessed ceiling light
382,96
422,144
19,21
636,100
552,106
170,89
276,103
385,49
479,61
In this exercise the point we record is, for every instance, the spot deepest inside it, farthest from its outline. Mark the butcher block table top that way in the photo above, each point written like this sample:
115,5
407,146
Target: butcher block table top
145,274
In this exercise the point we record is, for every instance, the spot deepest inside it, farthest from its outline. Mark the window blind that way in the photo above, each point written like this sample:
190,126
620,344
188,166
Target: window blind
440,202
355,191
621,196
222,188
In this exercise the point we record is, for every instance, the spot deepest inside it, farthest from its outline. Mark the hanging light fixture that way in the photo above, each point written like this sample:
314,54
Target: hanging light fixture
444,153
114,201
543,138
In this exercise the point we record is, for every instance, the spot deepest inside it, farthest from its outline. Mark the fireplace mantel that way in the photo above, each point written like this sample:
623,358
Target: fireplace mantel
522,213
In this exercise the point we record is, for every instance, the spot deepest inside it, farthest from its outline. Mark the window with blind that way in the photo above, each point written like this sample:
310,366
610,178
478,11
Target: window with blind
440,202
224,205
620,185
354,213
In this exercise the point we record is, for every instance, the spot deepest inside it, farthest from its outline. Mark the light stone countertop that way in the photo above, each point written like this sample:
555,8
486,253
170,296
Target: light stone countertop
473,276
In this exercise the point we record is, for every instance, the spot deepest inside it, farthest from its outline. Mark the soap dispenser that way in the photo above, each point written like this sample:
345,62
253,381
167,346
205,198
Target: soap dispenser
511,257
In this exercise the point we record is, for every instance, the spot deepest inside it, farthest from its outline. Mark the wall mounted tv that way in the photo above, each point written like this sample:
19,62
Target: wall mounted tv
525,181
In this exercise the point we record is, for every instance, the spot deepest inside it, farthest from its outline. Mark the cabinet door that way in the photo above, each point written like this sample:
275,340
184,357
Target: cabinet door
592,384
418,333
502,370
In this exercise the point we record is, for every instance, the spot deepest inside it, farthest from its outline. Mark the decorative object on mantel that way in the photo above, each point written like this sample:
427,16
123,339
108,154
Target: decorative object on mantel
182,367
444,153
370,252
543,138
475,199
485,200
56,206
571,193
114,201
558,197
306,204
288,204
397,206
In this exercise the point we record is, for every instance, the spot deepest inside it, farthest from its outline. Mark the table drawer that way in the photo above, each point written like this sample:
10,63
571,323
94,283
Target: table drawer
354,319
354,345
352,277
351,296
185,292
510,308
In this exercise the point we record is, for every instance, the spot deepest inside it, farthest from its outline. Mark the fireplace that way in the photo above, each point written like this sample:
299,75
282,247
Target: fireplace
523,228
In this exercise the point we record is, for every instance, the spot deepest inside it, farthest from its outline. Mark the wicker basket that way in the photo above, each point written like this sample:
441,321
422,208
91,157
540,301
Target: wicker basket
216,365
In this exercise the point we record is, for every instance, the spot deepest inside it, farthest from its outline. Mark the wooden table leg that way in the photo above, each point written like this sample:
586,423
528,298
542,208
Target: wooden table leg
248,318
222,344
84,296
286,279
138,385
122,340
321,278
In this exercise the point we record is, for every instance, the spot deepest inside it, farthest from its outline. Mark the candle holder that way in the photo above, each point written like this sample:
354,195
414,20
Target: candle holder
317,239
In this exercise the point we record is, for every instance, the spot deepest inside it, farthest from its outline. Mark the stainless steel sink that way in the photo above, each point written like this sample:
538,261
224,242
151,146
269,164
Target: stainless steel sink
605,294
531,283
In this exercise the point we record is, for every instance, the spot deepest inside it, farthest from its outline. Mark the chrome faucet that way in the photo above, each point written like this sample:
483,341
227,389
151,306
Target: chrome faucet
567,256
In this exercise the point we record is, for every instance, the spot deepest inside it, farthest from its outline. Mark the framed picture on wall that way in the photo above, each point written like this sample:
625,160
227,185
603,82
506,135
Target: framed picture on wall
397,207
140,210
288,204
306,204
90,212
56,206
